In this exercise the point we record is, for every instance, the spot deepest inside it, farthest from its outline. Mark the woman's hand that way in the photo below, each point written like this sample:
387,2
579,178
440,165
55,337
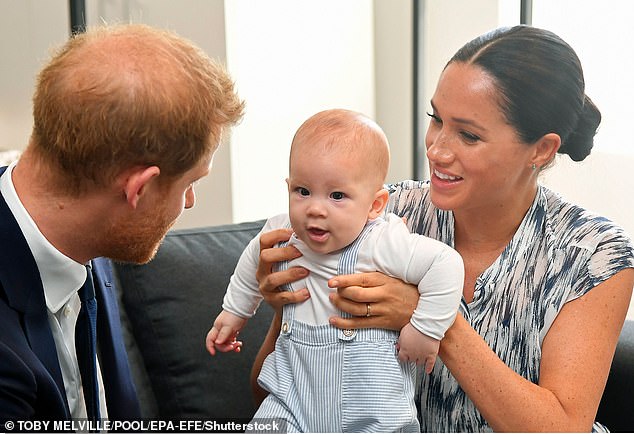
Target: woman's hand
270,281
374,299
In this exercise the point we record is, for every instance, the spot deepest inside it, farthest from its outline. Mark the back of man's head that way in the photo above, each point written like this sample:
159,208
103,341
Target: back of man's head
122,96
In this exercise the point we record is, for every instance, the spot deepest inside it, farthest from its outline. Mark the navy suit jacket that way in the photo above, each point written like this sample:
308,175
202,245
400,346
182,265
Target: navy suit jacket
31,384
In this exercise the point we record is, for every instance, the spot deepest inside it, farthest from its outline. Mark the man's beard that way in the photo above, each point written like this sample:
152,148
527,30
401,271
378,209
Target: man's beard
137,241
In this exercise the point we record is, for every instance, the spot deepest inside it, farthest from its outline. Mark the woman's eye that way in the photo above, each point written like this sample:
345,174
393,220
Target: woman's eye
337,195
434,117
468,137
303,191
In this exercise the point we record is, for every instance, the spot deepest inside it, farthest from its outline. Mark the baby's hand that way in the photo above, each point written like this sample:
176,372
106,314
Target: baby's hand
223,335
417,347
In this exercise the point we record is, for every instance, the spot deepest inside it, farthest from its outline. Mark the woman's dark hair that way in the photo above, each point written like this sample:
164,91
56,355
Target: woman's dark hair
541,85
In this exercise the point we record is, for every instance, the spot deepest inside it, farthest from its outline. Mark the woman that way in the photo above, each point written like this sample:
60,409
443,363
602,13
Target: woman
547,284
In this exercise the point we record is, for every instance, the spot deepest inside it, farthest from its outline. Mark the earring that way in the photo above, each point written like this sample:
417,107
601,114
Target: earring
534,166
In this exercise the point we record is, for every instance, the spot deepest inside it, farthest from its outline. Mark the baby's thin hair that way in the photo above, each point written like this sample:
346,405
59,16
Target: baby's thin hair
346,132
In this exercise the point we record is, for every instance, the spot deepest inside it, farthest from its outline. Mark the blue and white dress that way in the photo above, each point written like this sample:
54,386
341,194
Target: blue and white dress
559,253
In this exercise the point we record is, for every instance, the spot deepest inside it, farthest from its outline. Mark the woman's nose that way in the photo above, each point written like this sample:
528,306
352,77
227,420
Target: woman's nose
439,151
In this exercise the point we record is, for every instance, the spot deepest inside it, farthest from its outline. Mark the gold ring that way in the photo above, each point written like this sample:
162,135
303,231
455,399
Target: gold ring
368,310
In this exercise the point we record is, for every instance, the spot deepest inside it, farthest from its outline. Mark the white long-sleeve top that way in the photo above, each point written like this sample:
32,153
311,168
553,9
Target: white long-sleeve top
434,267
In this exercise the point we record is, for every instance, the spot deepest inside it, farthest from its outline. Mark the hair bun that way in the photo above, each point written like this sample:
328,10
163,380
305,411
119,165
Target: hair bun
579,142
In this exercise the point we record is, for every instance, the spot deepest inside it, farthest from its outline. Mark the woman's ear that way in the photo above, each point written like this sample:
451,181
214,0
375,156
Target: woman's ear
545,149
136,183
378,205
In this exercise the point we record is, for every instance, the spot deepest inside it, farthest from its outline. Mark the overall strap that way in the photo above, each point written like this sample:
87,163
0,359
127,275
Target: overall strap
288,312
347,265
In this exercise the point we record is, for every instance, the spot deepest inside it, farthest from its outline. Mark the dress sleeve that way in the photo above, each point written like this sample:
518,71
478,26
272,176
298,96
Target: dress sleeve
612,252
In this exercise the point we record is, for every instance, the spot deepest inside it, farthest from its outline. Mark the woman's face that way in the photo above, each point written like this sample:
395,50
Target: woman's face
476,160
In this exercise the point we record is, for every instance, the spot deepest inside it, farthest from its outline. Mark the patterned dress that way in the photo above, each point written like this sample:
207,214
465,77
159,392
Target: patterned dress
559,253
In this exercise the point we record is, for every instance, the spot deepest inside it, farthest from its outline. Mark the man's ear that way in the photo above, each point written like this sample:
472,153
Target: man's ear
136,183
545,149
378,205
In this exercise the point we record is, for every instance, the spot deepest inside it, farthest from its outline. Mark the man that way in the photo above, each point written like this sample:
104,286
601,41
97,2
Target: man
126,120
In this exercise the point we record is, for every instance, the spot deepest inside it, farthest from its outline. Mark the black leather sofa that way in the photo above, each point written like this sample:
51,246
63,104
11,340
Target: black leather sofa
169,304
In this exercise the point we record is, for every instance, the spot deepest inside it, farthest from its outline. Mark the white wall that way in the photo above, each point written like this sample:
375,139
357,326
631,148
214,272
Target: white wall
300,57
393,66
291,59
28,30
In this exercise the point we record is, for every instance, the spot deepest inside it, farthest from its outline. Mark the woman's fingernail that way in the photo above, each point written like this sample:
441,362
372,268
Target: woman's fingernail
333,283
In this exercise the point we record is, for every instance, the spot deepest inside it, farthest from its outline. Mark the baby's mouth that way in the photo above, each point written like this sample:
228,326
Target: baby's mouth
317,234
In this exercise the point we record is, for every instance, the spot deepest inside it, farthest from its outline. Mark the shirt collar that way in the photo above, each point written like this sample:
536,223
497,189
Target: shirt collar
61,276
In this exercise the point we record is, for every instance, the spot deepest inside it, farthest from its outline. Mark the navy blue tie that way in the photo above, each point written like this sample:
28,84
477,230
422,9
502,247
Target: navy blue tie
86,346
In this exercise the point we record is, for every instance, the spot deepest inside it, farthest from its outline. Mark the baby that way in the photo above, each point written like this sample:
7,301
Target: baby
322,379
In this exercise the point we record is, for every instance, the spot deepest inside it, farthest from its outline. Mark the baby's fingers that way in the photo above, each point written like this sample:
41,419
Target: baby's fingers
210,341
234,346
225,333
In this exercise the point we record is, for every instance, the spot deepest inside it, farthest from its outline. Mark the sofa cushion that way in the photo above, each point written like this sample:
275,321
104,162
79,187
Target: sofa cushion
616,411
171,303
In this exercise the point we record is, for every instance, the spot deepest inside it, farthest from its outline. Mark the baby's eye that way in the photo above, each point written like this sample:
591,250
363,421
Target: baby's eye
337,195
303,191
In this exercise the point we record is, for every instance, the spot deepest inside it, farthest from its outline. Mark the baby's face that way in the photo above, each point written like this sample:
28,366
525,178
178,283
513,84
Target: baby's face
330,198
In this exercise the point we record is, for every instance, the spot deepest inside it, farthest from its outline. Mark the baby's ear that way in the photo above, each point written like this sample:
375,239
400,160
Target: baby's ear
378,205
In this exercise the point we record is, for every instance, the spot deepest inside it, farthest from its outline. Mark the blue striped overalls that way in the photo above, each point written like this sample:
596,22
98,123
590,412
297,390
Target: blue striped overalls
322,379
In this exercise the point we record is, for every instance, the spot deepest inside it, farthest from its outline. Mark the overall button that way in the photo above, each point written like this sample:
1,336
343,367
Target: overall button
285,327
348,332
